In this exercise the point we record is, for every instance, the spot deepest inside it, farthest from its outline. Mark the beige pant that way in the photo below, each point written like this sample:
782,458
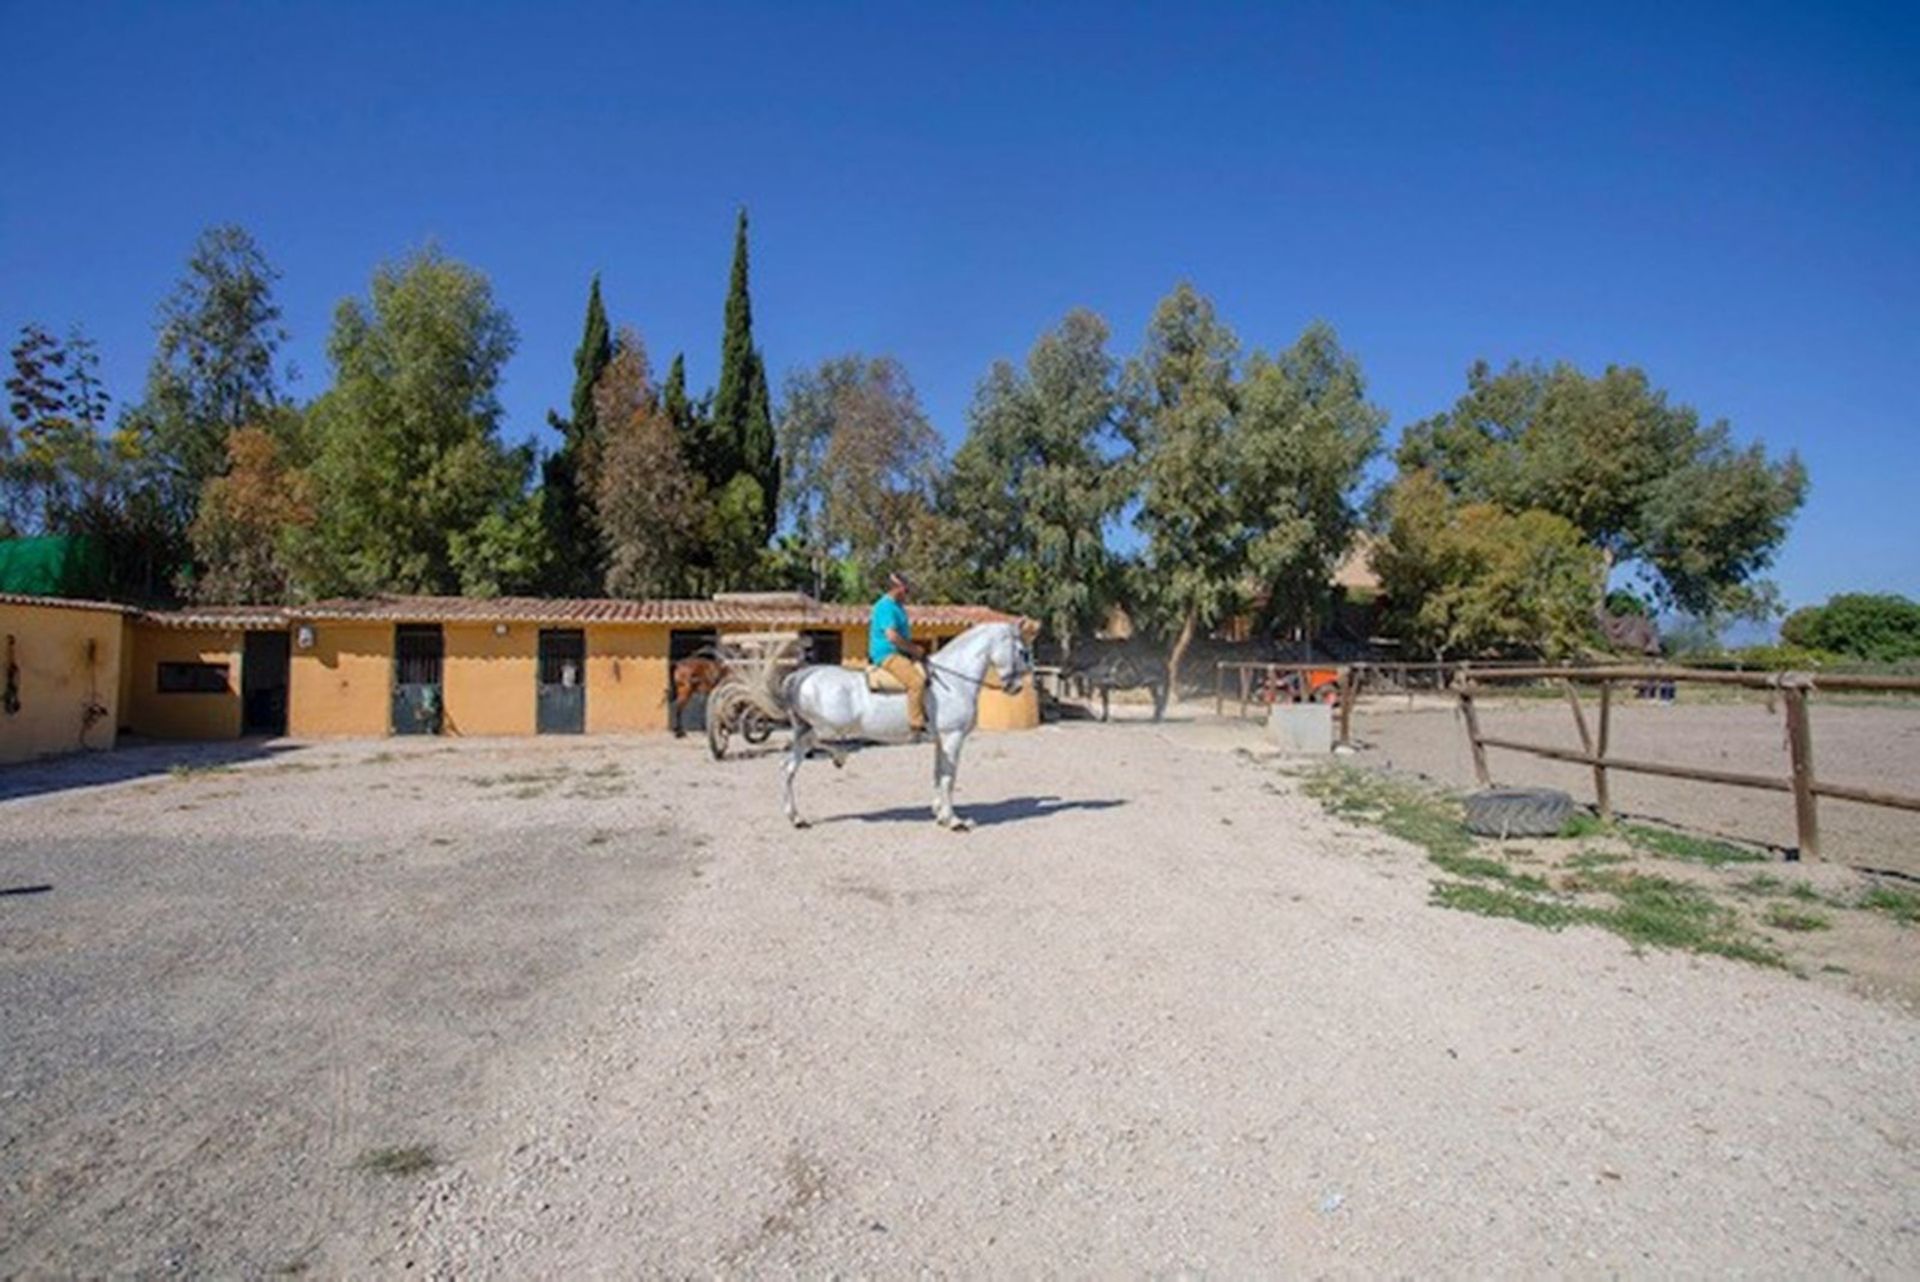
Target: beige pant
914,678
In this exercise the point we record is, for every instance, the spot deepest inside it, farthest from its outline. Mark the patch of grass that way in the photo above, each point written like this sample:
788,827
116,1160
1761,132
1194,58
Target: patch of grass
1785,917
1496,901
1489,870
1584,825
1760,884
1901,905
1644,910
1660,912
1686,847
1427,819
411,1159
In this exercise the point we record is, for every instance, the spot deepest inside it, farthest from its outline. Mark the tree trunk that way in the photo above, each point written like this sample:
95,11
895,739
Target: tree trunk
1180,645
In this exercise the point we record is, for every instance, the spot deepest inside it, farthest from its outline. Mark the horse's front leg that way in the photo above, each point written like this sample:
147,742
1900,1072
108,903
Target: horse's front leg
942,812
946,769
796,753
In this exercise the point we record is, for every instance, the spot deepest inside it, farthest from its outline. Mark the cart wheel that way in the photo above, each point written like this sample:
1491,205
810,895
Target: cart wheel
756,728
720,714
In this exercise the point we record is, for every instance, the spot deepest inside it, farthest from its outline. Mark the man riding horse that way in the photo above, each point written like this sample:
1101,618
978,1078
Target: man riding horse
890,645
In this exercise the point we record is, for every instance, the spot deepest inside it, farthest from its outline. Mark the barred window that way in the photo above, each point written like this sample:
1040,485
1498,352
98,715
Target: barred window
194,678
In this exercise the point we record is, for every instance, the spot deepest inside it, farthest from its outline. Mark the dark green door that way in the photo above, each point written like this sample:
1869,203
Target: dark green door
561,706
263,683
417,653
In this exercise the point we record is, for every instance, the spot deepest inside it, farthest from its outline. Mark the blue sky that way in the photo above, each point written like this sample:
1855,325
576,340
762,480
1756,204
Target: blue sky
1725,195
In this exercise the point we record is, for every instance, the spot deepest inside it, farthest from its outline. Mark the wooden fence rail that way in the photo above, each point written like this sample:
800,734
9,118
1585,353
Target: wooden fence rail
1793,689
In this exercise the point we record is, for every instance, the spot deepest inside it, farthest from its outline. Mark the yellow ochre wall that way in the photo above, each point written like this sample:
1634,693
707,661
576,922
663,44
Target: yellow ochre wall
343,685
69,661
182,716
627,678
488,680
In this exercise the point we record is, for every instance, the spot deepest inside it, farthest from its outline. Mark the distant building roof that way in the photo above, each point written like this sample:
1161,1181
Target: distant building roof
1355,571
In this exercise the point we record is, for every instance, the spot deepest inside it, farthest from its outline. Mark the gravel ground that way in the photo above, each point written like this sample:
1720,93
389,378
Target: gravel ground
1870,745
1157,1014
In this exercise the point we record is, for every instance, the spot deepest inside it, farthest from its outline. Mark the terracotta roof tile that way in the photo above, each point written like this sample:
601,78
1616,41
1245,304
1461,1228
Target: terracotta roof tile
767,610
63,603
790,610
219,616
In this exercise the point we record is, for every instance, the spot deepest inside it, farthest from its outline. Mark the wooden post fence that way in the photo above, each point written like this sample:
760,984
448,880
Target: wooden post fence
1793,690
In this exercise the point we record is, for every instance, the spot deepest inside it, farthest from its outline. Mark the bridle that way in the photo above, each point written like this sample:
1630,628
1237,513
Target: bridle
1019,669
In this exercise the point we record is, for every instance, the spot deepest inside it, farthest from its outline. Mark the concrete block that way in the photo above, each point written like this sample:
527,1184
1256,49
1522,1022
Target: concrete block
1305,729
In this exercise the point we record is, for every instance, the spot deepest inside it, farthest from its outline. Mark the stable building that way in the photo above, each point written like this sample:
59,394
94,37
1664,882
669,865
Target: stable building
408,665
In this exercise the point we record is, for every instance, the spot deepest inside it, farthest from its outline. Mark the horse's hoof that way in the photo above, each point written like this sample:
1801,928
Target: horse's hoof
839,763
798,822
960,825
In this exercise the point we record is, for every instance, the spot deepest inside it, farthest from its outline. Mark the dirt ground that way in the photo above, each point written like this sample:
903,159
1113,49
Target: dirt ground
1875,745
1158,1014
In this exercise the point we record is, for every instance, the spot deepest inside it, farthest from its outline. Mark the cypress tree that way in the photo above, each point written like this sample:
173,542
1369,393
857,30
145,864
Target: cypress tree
573,540
743,439
683,414
593,355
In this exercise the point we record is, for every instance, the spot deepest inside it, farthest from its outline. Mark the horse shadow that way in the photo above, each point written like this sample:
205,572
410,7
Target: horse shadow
1012,810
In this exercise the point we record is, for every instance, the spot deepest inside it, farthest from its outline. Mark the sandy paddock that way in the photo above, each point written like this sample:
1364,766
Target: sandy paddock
1860,742
1158,1014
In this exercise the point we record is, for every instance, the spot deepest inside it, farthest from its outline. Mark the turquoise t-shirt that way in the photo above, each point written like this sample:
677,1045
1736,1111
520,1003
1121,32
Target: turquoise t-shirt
887,613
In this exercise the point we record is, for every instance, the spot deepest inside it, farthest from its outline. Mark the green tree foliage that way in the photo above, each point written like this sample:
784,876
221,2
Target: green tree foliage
1623,603
409,463
1879,627
650,504
742,433
689,417
1036,481
862,464
1472,579
252,521
1246,480
54,463
213,370
1642,479
1180,423
1306,433
573,545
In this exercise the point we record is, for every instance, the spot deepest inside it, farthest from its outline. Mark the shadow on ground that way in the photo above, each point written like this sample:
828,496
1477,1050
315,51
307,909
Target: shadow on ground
134,760
1012,810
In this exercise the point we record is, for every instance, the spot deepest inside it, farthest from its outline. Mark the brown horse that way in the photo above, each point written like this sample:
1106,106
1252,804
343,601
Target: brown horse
693,676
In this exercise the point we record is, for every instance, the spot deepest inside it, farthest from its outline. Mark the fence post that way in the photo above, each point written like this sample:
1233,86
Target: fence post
1473,736
1600,792
1579,719
1806,816
1219,688
1243,691
1349,691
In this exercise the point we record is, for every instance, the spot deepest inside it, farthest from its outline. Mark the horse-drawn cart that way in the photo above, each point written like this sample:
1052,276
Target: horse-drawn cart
747,699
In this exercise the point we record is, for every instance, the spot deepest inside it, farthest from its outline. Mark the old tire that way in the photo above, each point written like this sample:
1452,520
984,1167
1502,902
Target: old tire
1518,812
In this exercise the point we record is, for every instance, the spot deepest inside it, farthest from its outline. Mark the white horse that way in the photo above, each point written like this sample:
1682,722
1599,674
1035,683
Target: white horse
827,704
